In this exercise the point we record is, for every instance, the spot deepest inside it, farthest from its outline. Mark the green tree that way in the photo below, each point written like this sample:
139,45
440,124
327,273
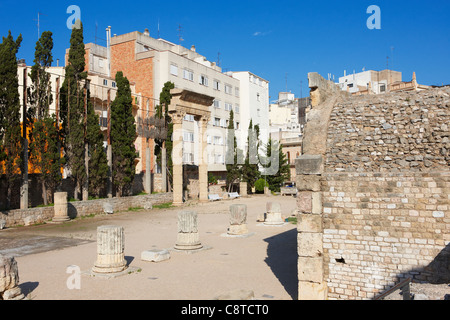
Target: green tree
45,142
72,109
162,112
98,163
250,169
123,136
276,166
11,146
233,155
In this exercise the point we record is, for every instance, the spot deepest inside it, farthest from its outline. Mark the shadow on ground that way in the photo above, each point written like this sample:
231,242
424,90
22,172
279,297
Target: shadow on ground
282,260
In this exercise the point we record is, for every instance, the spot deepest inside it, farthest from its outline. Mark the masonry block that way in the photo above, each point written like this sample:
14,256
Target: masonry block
309,223
310,244
310,269
308,183
312,291
317,203
309,165
304,202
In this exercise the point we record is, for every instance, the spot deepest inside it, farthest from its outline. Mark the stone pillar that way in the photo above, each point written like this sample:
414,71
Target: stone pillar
61,208
311,282
110,250
188,235
267,191
177,157
9,279
273,214
203,161
238,219
148,171
243,188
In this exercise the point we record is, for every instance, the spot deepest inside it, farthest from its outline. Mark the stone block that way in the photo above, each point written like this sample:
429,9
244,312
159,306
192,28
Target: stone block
2,224
108,208
155,255
309,165
310,269
304,202
273,207
309,223
310,244
317,203
9,273
312,291
308,183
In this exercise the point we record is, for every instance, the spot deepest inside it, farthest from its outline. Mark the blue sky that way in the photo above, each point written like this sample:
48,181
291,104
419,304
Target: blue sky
277,40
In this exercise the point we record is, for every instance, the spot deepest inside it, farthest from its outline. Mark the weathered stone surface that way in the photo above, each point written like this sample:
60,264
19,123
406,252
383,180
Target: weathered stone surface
2,224
312,291
188,237
273,207
309,164
110,250
308,183
9,273
108,208
310,269
304,202
310,244
61,207
238,220
155,255
309,223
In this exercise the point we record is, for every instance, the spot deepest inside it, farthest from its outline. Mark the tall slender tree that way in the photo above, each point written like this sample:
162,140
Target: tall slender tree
250,169
72,109
123,137
45,153
11,149
277,166
233,155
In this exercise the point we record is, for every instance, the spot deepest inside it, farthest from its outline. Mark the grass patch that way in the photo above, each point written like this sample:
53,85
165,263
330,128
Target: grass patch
292,220
163,205
135,209
44,206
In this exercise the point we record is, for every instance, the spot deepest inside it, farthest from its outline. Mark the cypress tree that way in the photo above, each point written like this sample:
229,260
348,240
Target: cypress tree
72,109
45,154
123,136
250,170
279,172
233,168
11,149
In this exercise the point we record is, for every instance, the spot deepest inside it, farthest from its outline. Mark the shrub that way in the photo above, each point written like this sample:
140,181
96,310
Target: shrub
260,184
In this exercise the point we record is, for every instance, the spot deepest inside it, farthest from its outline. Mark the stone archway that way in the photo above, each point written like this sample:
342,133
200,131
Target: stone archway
188,102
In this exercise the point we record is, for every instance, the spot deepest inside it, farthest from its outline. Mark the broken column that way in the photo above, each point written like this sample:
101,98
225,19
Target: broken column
311,282
61,208
110,250
273,216
243,189
238,219
9,279
188,235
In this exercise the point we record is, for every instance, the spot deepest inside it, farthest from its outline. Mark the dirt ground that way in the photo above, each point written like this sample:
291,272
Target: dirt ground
264,263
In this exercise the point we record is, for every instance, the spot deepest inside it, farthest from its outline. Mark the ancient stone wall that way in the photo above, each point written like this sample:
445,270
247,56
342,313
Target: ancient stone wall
82,208
374,194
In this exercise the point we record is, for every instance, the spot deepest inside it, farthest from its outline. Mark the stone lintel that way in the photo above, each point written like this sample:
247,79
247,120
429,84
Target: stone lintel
309,165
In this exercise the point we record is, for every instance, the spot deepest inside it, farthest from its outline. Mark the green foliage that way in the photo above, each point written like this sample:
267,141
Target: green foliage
234,173
11,150
212,179
250,169
260,184
123,136
282,173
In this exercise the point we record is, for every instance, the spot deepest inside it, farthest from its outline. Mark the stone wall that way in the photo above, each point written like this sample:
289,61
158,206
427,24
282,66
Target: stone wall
82,208
373,196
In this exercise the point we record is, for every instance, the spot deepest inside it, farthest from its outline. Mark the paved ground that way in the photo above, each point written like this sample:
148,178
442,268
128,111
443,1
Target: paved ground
265,263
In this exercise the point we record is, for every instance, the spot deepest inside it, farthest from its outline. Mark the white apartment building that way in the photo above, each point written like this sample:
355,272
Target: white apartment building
254,99
375,81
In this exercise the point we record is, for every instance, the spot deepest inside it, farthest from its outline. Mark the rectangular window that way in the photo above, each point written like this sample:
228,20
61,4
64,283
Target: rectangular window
218,141
174,70
382,88
188,75
217,122
228,89
204,80
188,137
236,108
189,117
188,158
216,85
217,104
113,84
105,82
237,92
228,106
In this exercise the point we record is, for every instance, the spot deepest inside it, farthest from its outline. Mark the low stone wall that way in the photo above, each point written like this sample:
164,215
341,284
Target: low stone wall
82,208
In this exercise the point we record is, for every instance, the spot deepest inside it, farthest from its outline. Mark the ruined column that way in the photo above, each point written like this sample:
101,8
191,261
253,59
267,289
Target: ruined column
273,214
243,189
238,220
188,235
61,207
110,250
9,279
311,282
177,157
203,161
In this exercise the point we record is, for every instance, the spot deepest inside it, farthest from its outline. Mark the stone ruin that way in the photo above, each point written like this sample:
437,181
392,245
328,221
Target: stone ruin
9,279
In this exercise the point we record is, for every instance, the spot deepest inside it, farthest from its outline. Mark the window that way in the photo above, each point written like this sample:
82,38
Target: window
236,108
174,70
258,97
188,137
350,85
228,89
219,159
228,106
188,75
382,88
237,92
188,158
216,85
105,82
189,117
208,139
203,80
238,125
113,84
217,122
218,141
217,104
